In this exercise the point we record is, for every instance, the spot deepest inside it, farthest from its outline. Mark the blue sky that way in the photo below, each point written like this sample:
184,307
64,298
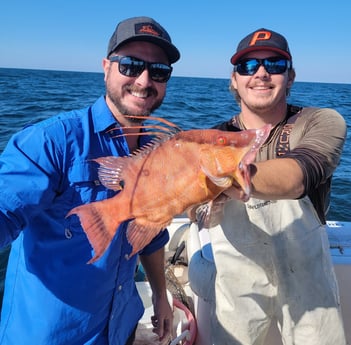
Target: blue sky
73,34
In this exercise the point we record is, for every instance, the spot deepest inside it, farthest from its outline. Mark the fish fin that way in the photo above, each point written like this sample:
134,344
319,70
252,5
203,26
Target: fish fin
99,225
210,214
141,235
203,214
152,145
168,125
160,132
110,171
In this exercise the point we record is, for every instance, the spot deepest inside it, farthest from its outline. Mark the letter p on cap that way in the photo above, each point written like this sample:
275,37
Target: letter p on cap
260,36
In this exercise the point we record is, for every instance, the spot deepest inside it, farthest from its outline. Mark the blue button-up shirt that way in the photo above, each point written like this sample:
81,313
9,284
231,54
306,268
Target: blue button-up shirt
52,296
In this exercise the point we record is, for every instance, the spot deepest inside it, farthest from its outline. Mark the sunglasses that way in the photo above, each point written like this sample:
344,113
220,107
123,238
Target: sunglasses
273,65
133,67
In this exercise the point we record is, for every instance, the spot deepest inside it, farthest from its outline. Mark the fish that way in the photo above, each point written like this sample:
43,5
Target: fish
175,171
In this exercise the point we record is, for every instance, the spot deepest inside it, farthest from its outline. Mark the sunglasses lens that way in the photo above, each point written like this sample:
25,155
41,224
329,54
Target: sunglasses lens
160,72
274,65
248,67
131,67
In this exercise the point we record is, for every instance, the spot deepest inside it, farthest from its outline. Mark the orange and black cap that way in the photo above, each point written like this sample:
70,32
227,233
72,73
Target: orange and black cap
262,39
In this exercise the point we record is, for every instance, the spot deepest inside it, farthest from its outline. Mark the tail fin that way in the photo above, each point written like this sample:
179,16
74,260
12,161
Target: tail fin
99,225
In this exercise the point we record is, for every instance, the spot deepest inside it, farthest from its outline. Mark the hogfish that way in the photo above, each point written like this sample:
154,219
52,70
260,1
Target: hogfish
174,172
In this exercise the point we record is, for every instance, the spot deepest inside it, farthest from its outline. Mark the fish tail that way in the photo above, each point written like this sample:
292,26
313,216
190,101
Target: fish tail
99,225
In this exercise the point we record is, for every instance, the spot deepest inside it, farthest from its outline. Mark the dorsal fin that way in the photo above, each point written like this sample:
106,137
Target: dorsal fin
111,168
168,129
158,133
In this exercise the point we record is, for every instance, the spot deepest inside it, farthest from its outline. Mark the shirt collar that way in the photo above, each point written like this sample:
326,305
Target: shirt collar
102,116
103,119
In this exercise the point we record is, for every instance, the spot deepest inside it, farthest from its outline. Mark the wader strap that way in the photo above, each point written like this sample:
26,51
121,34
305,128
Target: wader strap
283,144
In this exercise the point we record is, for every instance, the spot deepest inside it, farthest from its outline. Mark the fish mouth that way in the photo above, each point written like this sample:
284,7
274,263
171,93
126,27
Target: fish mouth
244,176
262,135
246,180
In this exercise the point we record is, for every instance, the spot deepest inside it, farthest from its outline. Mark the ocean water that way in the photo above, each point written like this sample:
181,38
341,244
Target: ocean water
33,95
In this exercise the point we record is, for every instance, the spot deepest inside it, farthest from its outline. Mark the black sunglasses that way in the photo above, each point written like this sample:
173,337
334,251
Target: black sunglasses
133,67
273,65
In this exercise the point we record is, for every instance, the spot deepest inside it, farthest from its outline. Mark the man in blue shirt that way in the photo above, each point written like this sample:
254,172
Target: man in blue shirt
52,296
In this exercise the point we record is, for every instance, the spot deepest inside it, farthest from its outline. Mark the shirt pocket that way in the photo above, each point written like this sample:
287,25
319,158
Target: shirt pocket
85,184
84,187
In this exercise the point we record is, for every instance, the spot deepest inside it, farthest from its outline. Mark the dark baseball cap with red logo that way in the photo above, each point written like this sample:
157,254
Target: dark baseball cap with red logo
262,39
143,29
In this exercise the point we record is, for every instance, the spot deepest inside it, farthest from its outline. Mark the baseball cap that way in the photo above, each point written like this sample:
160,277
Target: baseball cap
143,29
262,39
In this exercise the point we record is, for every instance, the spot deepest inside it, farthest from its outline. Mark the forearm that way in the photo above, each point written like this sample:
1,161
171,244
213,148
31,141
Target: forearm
277,179
154,267
162,320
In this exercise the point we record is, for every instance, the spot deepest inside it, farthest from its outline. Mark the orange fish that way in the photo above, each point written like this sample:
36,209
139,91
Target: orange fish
164,179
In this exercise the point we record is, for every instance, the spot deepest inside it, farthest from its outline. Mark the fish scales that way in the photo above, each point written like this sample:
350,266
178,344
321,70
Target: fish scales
165,179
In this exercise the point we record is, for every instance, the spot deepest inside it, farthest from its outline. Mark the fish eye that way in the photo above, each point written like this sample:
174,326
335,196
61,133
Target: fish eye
221,140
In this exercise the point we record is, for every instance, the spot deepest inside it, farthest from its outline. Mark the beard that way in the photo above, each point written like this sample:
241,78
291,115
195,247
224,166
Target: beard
124,109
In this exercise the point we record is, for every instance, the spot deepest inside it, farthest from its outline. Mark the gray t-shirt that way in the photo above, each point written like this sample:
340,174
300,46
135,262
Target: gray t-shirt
315,138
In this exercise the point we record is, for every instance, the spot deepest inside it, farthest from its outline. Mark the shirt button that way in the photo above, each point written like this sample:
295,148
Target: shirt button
119,287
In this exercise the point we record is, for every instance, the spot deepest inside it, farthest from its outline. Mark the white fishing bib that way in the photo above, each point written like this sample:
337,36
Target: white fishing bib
274,264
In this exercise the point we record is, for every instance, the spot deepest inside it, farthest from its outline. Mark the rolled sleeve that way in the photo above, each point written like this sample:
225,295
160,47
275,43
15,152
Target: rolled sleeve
318,150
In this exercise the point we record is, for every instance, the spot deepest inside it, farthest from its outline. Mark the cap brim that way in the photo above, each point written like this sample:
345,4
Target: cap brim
237,56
